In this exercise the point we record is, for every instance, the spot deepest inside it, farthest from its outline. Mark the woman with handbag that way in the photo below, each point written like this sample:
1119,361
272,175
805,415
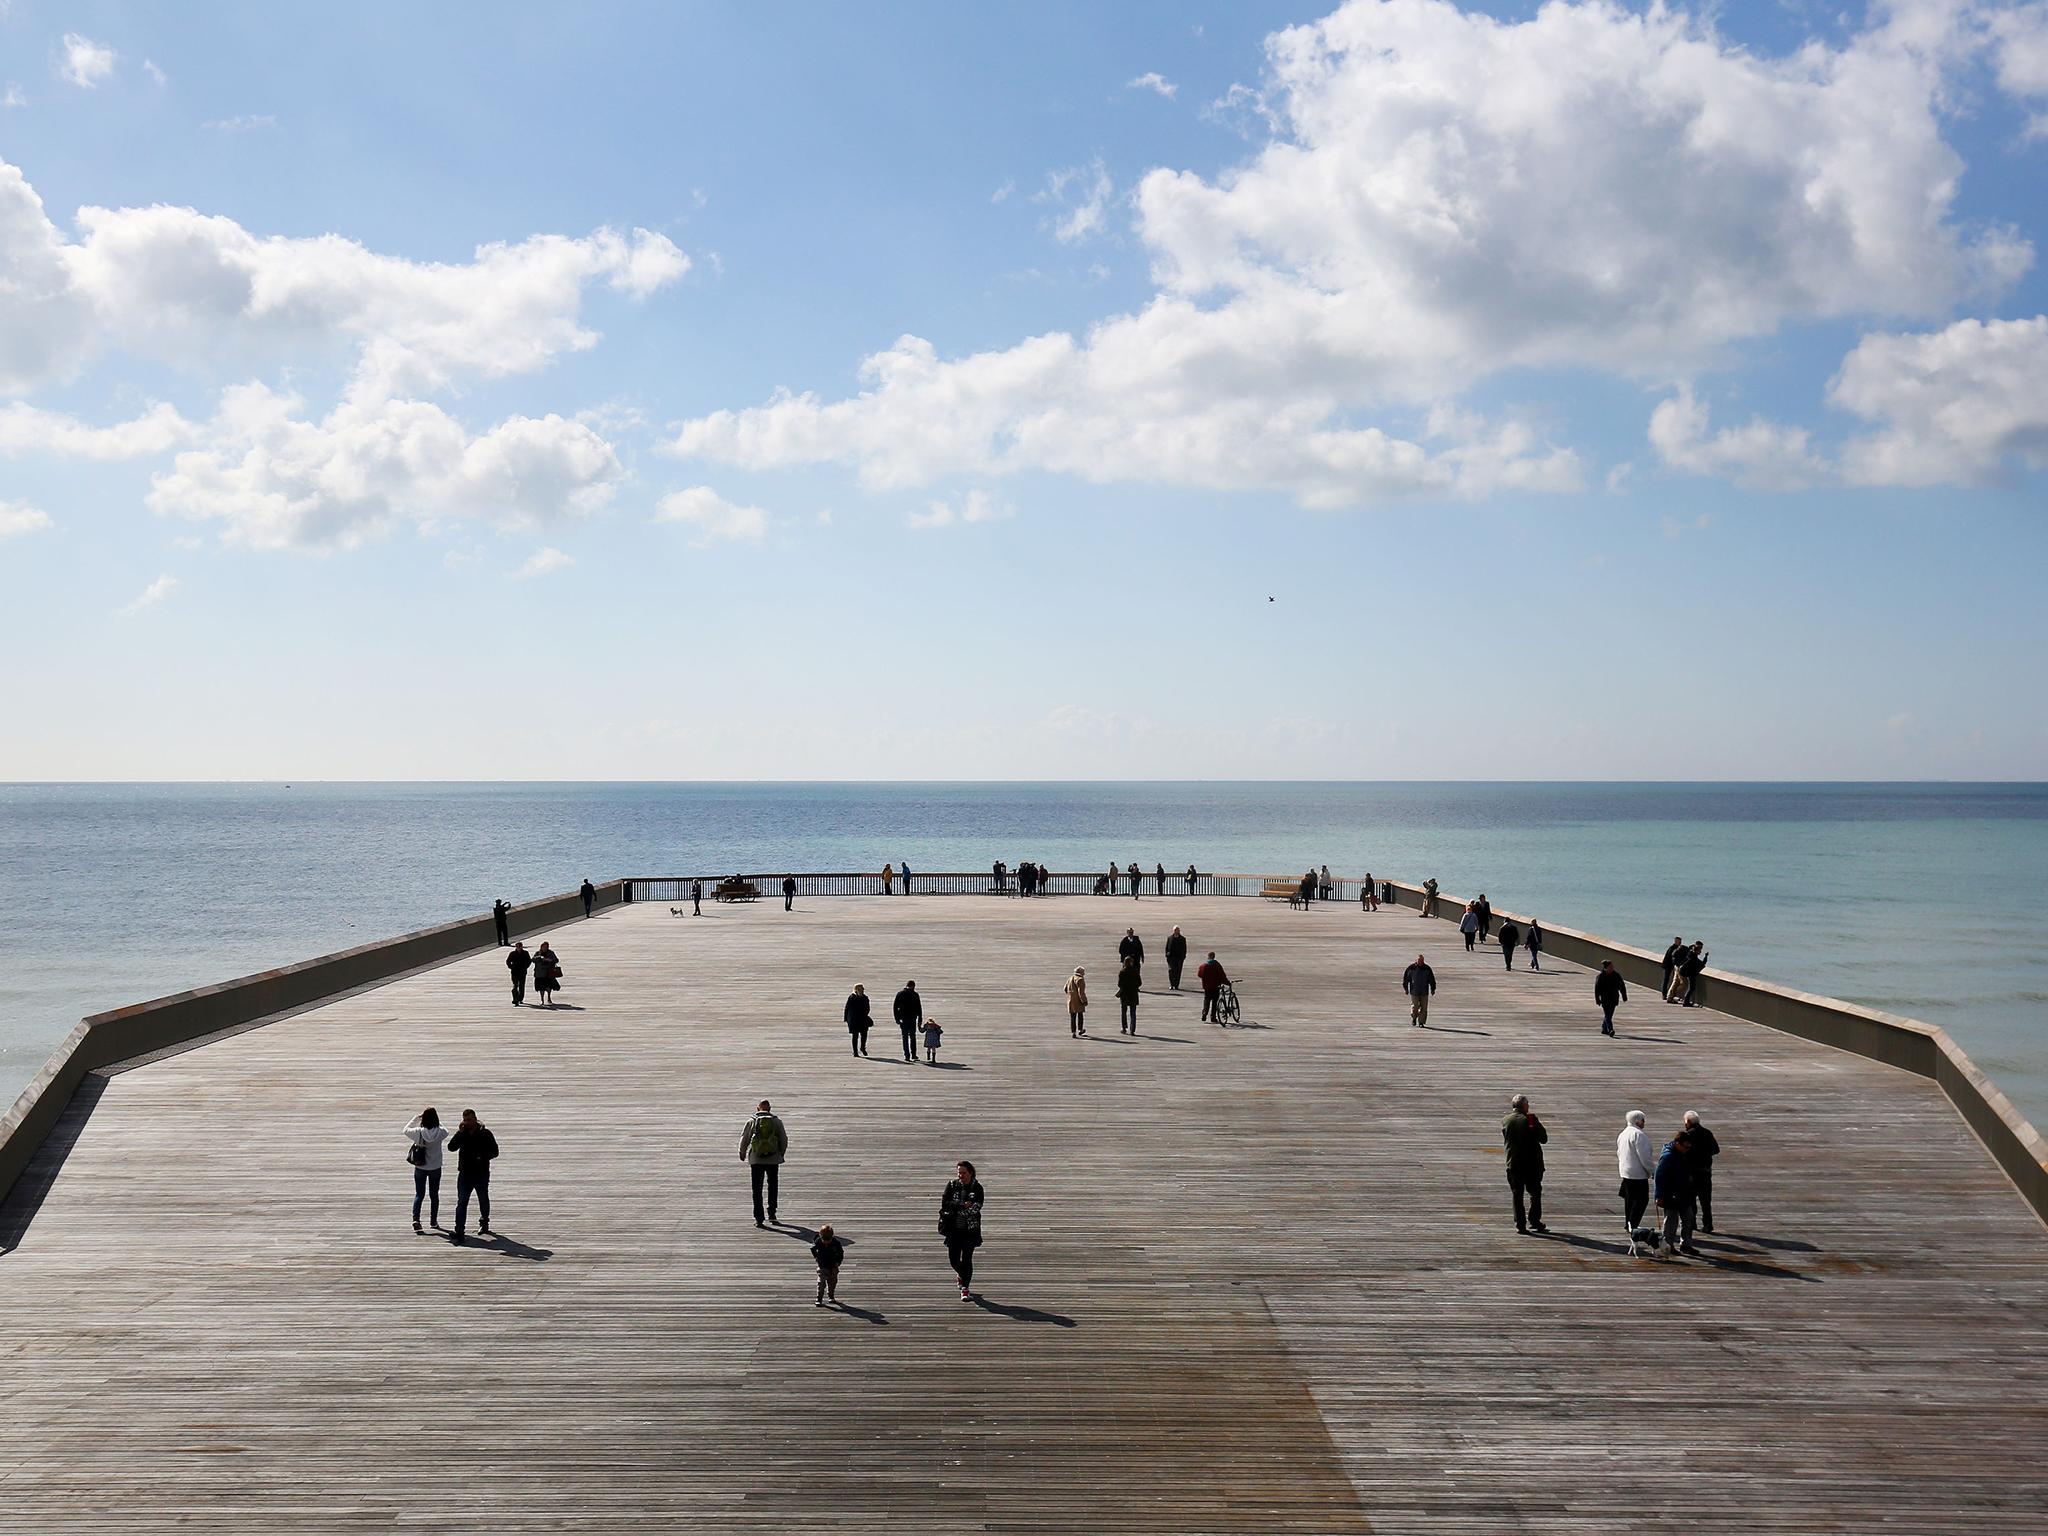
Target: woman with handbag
547,974
960,1223
426,1133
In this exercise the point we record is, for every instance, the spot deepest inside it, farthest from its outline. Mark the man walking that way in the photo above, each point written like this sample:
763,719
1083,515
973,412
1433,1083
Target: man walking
788,893
1131,947
696,898
1418,982
1671,959
518,963
589,895
1210,974
1637,1163
762,1145
1702,1149
1675,1193
474,1146
501,916
1609,991
1524,1135
909,1011
859,1015
1510,936
1485,910
1176,957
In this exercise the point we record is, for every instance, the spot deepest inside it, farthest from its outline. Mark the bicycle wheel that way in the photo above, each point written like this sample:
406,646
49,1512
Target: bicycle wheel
1229,1008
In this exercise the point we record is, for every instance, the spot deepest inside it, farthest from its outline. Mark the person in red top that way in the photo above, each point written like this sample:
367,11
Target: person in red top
1211,976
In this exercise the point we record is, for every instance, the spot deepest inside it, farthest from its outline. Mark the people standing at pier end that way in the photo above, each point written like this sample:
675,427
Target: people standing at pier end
426,1133
1111,877
1609,991
1368,894
1468,925
1176,956
888,878
1324,884
501,919
547,974
1210,974
1702,1149
1675,1193
1191,877
1638,1164
1418,982
1485,910
909,1013
589,895
474,1147
1533,942
1671,959
1523,1135
858,1014
1077,1003
960,1206
763,1144
1510,936
1128,983
1690,965
519,962
1429,889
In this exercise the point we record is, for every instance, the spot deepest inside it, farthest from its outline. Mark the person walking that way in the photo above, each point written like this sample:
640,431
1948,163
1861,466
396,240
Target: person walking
1191,877
763,1144
696,898
1701,1150
909,1012
589,894
1368,894
788,893
888,878
1131,947
1510,936
1524,1135
1468,925
1429,889
1533,942
1671,958
501,919
1128,981
1689,970
932,1032
547,974
1609,991
1210,974
1675,1193
1077,1003
829,1253
1485,910
519,962
1638,1164
426,1133
1159,878
1176,956
474,1147
858,1014
1418,982
960,1223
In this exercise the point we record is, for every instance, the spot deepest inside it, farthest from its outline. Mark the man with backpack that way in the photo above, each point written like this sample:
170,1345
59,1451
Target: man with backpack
474,1146
762,1146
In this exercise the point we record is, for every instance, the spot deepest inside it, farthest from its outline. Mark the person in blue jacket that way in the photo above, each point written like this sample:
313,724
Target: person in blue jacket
1674,1192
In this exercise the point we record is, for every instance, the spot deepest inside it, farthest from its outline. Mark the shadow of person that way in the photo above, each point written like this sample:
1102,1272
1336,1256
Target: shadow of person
1024,1314
1777,1244
950,1066
512,1248
804,1234
1651,1039
1445,1029
1573,1240
860,1312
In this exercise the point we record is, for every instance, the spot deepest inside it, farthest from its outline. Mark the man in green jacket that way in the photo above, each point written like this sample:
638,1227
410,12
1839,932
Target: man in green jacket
1523,1135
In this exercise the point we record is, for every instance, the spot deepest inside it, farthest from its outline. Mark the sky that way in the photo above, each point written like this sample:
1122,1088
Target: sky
1378,389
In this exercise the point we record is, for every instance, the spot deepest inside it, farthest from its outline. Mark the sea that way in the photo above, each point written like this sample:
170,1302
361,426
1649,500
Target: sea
1921,899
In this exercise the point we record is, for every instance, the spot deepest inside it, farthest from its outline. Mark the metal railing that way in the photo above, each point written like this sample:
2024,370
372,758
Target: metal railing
977,883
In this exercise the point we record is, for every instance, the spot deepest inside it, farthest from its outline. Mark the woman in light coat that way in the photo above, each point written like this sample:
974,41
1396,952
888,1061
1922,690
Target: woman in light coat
1468,925
426,1133
1637,1160
1077,1003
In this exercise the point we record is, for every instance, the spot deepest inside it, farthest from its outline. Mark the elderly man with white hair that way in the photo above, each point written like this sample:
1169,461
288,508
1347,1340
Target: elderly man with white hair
1638,1161
1702,1149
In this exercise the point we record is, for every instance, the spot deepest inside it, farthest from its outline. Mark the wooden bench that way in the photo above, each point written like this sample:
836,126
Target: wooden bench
1288,891
736,890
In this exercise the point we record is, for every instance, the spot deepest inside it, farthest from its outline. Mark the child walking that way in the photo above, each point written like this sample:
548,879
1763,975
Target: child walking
931,1040
830,1254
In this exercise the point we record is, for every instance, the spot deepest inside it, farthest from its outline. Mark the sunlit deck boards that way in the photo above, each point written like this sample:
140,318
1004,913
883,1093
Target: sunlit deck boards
1262,1280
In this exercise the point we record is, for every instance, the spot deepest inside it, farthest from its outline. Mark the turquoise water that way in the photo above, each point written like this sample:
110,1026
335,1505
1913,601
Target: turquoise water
1922,899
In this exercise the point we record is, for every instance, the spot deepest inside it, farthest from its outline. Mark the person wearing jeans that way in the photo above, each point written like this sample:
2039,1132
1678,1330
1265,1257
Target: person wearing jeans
1675,1192
1703,1148
426,1133
1210,974
960,1223
762,1146
474,1146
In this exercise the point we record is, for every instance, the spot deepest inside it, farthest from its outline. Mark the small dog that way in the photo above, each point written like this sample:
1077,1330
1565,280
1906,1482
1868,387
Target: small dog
1644,1237
677,912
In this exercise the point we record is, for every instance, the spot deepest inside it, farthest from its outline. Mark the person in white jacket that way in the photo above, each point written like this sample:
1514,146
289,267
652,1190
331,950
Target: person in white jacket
426,1133
1638,1161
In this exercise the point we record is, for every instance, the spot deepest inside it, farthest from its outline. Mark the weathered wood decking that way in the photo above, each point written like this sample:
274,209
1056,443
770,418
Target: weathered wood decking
1262,1280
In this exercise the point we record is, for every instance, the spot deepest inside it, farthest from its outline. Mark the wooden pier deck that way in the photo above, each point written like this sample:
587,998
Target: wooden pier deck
1257,1280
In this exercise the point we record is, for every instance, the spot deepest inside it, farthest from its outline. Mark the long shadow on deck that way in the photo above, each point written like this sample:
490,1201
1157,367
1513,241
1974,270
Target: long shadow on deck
33,1187
1025,1314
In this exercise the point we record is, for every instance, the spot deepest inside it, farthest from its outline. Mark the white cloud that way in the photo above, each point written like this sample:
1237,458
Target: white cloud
543,562
152,595
1446,197
18,518
85,63
1153,81
2020,54
277,481
715,519
13,97
252,123
1761,455
28,429
977,506
155,72
1961,405
1003,192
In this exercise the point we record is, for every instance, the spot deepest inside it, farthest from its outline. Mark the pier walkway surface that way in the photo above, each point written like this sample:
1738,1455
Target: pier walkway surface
1252,1280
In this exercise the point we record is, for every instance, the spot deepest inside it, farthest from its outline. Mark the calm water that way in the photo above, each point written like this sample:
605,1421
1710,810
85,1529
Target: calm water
1922,899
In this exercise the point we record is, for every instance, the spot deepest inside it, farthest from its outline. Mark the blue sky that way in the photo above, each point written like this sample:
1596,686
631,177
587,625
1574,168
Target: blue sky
940,391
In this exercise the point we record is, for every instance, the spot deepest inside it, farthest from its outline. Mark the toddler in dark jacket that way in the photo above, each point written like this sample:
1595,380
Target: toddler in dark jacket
830,1254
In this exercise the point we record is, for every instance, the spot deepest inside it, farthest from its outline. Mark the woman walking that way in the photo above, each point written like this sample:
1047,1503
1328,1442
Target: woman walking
960,1223
547,974
426,1133
1534,944
1077,1003
1128,981
1468,925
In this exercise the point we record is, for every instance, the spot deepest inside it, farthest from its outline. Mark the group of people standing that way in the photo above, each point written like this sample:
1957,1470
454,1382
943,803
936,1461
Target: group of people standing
1680,1179
1683,964
1130,982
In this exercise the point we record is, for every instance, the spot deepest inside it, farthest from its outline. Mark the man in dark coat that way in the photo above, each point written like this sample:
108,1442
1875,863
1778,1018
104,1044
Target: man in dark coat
1510,936
1210,974
501,915
589,895
1524,1135
788,893
859,1014
518,963
1176,957
1690,965
696,898
1609,990
1674,1192
1131,947
1701,1150
474,1146
909,1010
1418,984
1485,910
